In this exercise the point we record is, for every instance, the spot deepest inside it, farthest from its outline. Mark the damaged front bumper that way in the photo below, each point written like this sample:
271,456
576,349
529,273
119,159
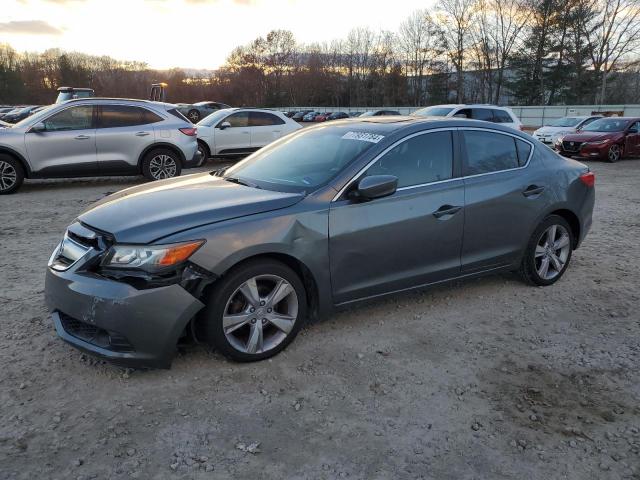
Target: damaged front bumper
113,320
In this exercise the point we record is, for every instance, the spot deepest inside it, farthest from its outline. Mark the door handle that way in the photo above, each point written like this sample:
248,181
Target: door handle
532,190
446,210
82,137
142,134
246,133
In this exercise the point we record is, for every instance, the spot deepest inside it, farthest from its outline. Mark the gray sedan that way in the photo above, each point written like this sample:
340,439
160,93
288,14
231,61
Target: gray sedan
324,217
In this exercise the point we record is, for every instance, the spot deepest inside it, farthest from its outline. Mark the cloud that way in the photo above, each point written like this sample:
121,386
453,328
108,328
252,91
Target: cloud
29,27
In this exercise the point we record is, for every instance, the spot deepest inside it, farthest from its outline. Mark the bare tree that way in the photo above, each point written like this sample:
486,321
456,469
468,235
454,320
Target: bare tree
611,35
456,17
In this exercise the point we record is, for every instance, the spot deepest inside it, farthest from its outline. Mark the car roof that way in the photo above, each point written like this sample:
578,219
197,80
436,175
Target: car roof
122,100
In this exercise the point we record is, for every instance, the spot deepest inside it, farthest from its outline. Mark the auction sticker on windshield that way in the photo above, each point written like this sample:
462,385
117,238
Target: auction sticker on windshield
363,136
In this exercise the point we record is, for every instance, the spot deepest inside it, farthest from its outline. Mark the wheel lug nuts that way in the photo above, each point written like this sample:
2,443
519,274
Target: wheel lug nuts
269,310
253,320
264,320
252,309
262,303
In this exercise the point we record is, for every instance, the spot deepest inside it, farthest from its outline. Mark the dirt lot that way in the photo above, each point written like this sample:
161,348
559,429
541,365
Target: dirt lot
487,379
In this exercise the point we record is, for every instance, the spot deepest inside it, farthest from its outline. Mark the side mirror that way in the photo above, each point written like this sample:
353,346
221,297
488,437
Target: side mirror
38,127
633,130
224,125
375,186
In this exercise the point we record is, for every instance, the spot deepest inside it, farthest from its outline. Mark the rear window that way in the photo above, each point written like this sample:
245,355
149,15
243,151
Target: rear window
264,119
177,114
500,116
489,152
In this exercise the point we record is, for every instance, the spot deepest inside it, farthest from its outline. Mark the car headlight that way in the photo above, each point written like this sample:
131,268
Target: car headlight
599,142
150,258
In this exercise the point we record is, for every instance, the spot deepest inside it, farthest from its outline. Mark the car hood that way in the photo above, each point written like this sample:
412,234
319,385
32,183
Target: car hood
590,136
148,212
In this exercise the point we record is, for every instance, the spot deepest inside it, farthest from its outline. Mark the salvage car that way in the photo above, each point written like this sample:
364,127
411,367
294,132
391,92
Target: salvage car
236,132
241,258
197,111
608,139
560,127
18,114
94,136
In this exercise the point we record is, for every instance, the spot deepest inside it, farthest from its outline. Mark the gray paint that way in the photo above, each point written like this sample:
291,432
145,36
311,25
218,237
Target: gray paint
351,250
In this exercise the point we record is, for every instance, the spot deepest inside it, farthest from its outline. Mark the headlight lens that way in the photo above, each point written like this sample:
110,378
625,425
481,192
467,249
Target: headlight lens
151,258
599,142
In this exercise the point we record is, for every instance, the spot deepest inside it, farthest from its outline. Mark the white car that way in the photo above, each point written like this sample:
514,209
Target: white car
233,132
488,113
549,134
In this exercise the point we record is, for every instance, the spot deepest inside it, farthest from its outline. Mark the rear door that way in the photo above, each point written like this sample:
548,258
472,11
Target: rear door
67,146
265,128
505,193
234,139
410,238
124,132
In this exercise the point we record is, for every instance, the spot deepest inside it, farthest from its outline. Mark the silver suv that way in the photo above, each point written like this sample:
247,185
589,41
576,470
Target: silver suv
98,136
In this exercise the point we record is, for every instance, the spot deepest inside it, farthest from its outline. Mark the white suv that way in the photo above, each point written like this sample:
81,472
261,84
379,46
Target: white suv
560,127
488,113
234,132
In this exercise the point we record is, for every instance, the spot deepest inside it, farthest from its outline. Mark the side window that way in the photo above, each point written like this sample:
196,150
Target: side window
263,119
240,119
500,116
588,121
422,159
113,116
463,113
524,149
74,118
489,152
482,114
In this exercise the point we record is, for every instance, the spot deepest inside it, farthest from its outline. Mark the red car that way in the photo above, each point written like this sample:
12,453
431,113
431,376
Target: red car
322,117
607,138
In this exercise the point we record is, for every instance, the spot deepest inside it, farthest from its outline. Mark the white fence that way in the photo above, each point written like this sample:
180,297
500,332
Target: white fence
529,116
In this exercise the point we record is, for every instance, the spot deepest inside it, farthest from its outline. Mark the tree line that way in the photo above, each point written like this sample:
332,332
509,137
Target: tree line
521,52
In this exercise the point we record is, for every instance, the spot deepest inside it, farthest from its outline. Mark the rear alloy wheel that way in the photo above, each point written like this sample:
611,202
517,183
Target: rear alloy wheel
615,153
194,116
204,150
11,174
161,164
548,252
255,312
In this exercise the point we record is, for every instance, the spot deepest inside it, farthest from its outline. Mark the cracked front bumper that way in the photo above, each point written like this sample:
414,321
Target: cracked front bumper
115,321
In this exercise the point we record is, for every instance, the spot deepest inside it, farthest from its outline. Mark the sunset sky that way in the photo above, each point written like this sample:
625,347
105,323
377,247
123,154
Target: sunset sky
184,33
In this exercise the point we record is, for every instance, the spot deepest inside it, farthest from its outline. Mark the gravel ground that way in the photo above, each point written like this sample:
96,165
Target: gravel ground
485,379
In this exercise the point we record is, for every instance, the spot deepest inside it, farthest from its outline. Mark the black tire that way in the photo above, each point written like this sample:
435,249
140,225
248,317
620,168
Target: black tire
528,268
11,174
193,115
206,153
612,156
209,326
149,164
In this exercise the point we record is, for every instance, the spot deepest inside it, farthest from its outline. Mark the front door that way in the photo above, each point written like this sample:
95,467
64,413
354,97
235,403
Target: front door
410,238
632,140
66,146
235,138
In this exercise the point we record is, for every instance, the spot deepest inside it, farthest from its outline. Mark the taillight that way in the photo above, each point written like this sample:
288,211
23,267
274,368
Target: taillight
189,131
589,179
521,127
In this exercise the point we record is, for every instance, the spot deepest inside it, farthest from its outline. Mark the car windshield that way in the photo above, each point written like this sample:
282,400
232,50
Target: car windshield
566,122
304,161
433,112
370,113
35,118
607,125
213,118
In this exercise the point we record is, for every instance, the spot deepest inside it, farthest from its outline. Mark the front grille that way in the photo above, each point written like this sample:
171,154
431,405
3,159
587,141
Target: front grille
95,335
571,146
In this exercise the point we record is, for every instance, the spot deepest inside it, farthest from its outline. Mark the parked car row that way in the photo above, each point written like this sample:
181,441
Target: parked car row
15,114
313,116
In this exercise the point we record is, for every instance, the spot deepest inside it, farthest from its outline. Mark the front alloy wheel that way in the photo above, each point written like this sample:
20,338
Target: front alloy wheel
11,174
254,311
160,164
615,153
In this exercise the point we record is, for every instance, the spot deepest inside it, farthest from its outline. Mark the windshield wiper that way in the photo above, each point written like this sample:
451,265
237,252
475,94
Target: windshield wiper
241,182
